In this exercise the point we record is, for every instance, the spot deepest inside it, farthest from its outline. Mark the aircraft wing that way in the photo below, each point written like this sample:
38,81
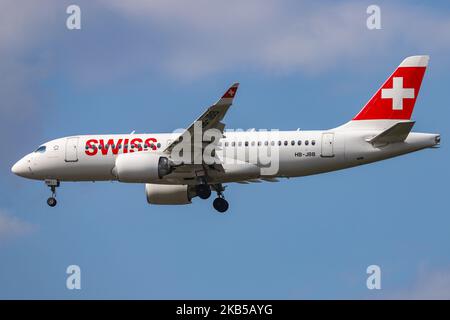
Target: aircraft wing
193,141
210,119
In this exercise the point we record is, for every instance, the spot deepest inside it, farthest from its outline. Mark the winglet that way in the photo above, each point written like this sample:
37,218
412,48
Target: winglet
231,92
228,96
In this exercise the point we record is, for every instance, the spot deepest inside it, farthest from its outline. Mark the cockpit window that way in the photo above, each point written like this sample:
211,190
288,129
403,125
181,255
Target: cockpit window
41,149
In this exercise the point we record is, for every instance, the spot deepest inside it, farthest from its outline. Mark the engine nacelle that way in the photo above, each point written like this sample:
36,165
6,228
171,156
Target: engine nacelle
168,194
141,167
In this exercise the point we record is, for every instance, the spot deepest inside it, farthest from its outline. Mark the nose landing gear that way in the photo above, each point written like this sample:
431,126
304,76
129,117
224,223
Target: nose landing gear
51,201
53,184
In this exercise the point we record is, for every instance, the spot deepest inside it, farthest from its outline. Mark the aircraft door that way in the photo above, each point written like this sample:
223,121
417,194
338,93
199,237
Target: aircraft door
72,149
327,145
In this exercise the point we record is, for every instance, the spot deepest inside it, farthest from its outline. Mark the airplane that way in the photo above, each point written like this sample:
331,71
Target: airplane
175,167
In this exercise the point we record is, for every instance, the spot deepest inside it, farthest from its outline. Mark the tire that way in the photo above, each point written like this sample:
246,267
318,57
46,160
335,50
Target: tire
203,191
220,204
51,202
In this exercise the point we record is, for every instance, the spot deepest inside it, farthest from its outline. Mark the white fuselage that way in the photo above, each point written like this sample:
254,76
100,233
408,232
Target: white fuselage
292,154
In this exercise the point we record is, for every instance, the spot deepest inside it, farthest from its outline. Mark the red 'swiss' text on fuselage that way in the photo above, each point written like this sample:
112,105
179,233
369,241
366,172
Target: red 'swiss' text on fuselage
127,145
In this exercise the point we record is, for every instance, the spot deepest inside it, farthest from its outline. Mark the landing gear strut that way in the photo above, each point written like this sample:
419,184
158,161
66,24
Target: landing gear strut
220,204
53,184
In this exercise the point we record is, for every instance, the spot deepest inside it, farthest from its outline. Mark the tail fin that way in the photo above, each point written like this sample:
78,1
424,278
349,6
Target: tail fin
397,96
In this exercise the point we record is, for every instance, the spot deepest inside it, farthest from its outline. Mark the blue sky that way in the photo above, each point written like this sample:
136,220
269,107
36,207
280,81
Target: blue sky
153,67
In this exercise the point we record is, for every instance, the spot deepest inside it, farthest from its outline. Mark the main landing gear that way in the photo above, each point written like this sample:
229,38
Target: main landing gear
203,191
219,203
53,184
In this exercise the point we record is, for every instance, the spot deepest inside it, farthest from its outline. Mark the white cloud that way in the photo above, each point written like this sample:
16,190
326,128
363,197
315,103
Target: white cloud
429,285
198,38
203,37
21,24
12,227
24,27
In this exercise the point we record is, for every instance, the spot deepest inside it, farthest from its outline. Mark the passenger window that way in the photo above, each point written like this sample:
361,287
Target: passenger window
226,144
272,143
246,143
266,143
306,142
299,142
253,143
292,143
279,142
313,142
285,142
233,144
240,143
158,145
259,143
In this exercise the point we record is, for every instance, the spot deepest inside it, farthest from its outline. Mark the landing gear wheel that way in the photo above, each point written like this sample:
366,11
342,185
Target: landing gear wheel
53,184
220,204
51,202
203,191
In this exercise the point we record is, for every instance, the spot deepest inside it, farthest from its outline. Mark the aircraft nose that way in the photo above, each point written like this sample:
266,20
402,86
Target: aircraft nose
21,168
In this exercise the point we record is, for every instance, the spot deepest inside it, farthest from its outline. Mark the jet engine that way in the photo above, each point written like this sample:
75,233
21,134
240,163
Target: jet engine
141,167
169,194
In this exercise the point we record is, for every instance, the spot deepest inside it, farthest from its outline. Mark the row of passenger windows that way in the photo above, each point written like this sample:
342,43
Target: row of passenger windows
233,144
266,143
119,146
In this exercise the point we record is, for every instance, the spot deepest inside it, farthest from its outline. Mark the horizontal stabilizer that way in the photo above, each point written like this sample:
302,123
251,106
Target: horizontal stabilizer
397,133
